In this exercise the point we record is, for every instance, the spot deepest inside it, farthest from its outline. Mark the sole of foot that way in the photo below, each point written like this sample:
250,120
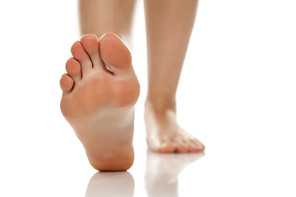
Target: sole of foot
164,135
100,90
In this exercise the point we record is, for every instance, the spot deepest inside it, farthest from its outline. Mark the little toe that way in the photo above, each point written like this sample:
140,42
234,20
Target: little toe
66,83
79,54
74,69
90,44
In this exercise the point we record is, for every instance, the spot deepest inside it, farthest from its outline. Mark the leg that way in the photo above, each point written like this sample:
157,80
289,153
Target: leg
169,24
100,88
101,16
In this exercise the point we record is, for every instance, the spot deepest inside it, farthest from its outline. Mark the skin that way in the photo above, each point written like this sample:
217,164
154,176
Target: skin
100,16
99,104
100,87
169,25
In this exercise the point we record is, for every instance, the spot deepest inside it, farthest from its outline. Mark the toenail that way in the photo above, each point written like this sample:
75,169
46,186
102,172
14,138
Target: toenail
164,144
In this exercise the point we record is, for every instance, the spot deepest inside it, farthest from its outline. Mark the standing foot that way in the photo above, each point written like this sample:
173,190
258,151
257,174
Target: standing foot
164,135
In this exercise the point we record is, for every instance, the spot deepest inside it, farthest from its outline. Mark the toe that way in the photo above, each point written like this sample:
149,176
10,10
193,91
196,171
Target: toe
161,145
192,147
66,83
198,145
180,148
79,54
180,145
90,44
73,68
114,53
166,147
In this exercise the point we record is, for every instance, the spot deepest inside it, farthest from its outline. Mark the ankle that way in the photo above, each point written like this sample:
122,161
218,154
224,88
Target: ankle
160,104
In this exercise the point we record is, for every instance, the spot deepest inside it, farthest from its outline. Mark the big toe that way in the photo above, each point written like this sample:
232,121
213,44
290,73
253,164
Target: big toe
115,53
166,147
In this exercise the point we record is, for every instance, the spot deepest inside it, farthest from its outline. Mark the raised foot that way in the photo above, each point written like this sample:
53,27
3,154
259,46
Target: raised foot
164,135
100,90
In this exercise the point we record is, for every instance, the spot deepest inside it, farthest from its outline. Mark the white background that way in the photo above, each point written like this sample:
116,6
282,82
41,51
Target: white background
236,94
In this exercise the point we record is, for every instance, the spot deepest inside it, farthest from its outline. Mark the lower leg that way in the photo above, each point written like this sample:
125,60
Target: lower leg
101,16
169,25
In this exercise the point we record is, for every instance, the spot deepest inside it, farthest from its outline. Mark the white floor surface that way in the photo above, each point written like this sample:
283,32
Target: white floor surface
237,94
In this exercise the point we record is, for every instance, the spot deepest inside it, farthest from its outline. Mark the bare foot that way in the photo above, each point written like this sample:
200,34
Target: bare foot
164,135
100,90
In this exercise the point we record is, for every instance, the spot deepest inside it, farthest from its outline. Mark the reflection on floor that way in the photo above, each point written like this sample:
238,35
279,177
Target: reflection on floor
111,184
162,171
161,179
